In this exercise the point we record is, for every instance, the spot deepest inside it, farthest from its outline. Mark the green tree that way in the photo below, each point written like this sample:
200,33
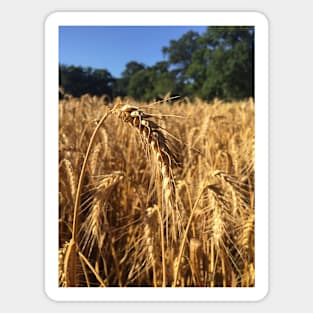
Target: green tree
140,85
121,87
101,82
77,80
152,82
179,54
162,81
224,65
219,63
132,68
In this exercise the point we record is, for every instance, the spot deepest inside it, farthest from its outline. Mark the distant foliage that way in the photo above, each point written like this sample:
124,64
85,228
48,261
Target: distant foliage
216,64
77,80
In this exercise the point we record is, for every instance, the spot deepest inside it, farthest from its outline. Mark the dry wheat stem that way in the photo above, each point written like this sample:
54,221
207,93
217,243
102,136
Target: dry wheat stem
71,257
154,138
183,241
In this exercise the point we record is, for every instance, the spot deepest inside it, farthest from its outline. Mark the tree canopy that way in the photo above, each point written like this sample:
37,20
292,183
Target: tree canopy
77,80
219,63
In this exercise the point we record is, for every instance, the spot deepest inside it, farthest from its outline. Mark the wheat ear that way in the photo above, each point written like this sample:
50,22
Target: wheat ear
161,149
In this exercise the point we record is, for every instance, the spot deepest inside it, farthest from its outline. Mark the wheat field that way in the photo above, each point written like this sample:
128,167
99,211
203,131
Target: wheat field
156,195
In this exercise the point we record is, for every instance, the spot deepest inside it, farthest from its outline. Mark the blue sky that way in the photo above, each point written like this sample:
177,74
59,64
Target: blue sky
111,47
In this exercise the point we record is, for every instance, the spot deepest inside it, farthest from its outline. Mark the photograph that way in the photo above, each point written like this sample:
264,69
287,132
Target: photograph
156,156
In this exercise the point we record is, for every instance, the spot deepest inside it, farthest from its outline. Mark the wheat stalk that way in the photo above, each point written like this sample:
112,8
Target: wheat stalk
150,234
160,148
71,252
196,255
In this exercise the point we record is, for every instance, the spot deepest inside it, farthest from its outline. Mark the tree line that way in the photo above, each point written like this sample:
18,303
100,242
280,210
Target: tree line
217,64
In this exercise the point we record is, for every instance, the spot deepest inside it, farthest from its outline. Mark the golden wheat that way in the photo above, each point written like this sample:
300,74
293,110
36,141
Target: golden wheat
194,174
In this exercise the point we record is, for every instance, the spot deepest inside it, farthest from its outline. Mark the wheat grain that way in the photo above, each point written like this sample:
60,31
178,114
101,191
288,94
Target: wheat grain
161,149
